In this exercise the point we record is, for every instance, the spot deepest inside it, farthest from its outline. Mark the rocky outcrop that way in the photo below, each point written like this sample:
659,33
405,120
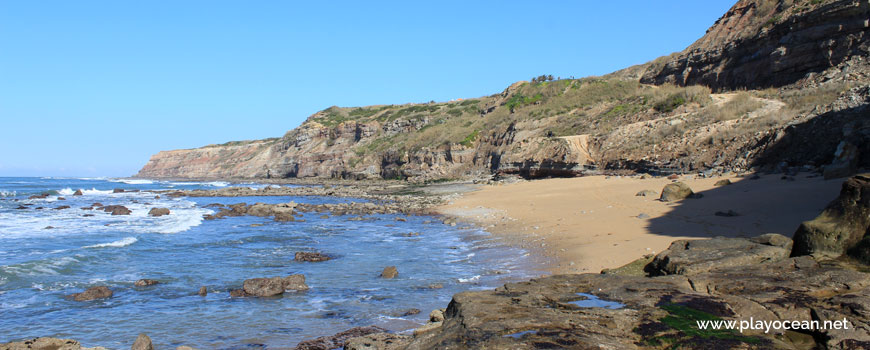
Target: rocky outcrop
338,340
842,227
267,287
93,293
46,343
612,311
761,43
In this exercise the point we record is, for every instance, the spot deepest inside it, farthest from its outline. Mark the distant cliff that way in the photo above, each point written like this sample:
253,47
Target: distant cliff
661,115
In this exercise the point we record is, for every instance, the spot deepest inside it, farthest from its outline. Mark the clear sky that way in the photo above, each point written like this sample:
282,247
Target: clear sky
93,88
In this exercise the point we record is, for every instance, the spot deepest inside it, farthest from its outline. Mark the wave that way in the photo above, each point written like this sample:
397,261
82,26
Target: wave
475,278
4,193
116,244
133,181
93,191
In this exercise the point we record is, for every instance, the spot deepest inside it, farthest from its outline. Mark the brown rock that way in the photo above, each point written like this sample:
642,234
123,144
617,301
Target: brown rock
676,191
390,272
78,193
310,257
116,209
158,212
841,226
118,190
723,182
44,343
93,293
62,207
266,287
145,282
143,342
203,291
338,340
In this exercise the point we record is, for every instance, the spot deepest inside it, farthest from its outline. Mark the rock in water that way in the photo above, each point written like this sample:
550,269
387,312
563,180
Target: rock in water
266,287
78,193
118,190
676,191
93,293
310,257
841,226
145,282
337,341
143,342
158,212
203,291
390,272
116,210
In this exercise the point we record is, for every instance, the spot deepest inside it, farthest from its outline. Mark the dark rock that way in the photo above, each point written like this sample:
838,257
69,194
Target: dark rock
97,205
118,190
116,209
673,177
238,293
61,198
310,257
93,293
338,340
266,287
728,213
390,272
841,226
145,282
21,207
38,196
203,291
409,312
48,227
143,342
158,212
284,217
845,161
676,191
690,257
62,207
78,193
88,215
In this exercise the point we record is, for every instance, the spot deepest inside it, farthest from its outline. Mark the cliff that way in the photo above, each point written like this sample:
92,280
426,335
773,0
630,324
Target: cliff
663,115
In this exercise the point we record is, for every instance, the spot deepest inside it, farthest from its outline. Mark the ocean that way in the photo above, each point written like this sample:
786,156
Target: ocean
47,254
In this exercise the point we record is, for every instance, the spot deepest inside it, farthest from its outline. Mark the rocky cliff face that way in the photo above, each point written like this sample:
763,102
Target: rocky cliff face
766,43
816,51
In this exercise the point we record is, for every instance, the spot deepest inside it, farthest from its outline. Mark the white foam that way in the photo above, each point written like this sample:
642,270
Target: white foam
471,279
133,181
4,193
66,192
116,244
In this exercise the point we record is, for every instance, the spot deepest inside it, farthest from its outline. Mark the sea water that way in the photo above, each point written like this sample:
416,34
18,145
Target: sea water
47,254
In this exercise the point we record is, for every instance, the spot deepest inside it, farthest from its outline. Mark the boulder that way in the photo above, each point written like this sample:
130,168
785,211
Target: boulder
723,182
143,342
841,226
158,212
691,257
116,209
390,272
145,282
310,257
266,287
284,216
337,341
845,161
647,193
676,191
78,193
93,293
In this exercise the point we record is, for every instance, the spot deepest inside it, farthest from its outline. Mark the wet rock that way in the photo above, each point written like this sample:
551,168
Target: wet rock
647,193
97,205
284,217
116,209
690,257
310,257
390,272
338,340
39,196
48,227
409,312
723,182
238,293
158,212
676,191
62,207
143,342
61,198
93,293
203,291
118,190
145,282
87,215
21,207
841,226
266,287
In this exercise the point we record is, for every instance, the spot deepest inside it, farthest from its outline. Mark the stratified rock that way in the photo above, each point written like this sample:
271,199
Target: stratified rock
93,293
78,193
145,282
266,287
647,193
676,191
845,161
691,257
143,342
723,182
338,340
158,211
841,226
310,257
390,272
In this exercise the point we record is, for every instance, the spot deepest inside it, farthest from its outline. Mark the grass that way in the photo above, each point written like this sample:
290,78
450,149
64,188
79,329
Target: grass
679,328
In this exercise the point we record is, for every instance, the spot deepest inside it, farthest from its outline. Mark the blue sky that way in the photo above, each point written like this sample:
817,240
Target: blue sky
93,88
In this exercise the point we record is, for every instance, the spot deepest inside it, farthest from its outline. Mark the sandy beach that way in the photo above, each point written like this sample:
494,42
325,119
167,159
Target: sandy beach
587,224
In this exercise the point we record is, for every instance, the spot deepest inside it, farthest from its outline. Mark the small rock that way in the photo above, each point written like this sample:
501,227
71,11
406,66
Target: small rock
78,193
643,216
203,291
99,292
143,342
62,207
118,190
61,198
390,272
723,182
647,193
728,213
145,282
436,315
310,257
410,312
158,212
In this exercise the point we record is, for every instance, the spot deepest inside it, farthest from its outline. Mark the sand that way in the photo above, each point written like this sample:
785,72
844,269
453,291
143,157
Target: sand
587,224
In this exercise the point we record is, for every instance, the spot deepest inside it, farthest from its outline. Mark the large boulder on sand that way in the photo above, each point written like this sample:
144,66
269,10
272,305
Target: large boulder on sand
843,225
93,293
691,257
266,287
676,191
